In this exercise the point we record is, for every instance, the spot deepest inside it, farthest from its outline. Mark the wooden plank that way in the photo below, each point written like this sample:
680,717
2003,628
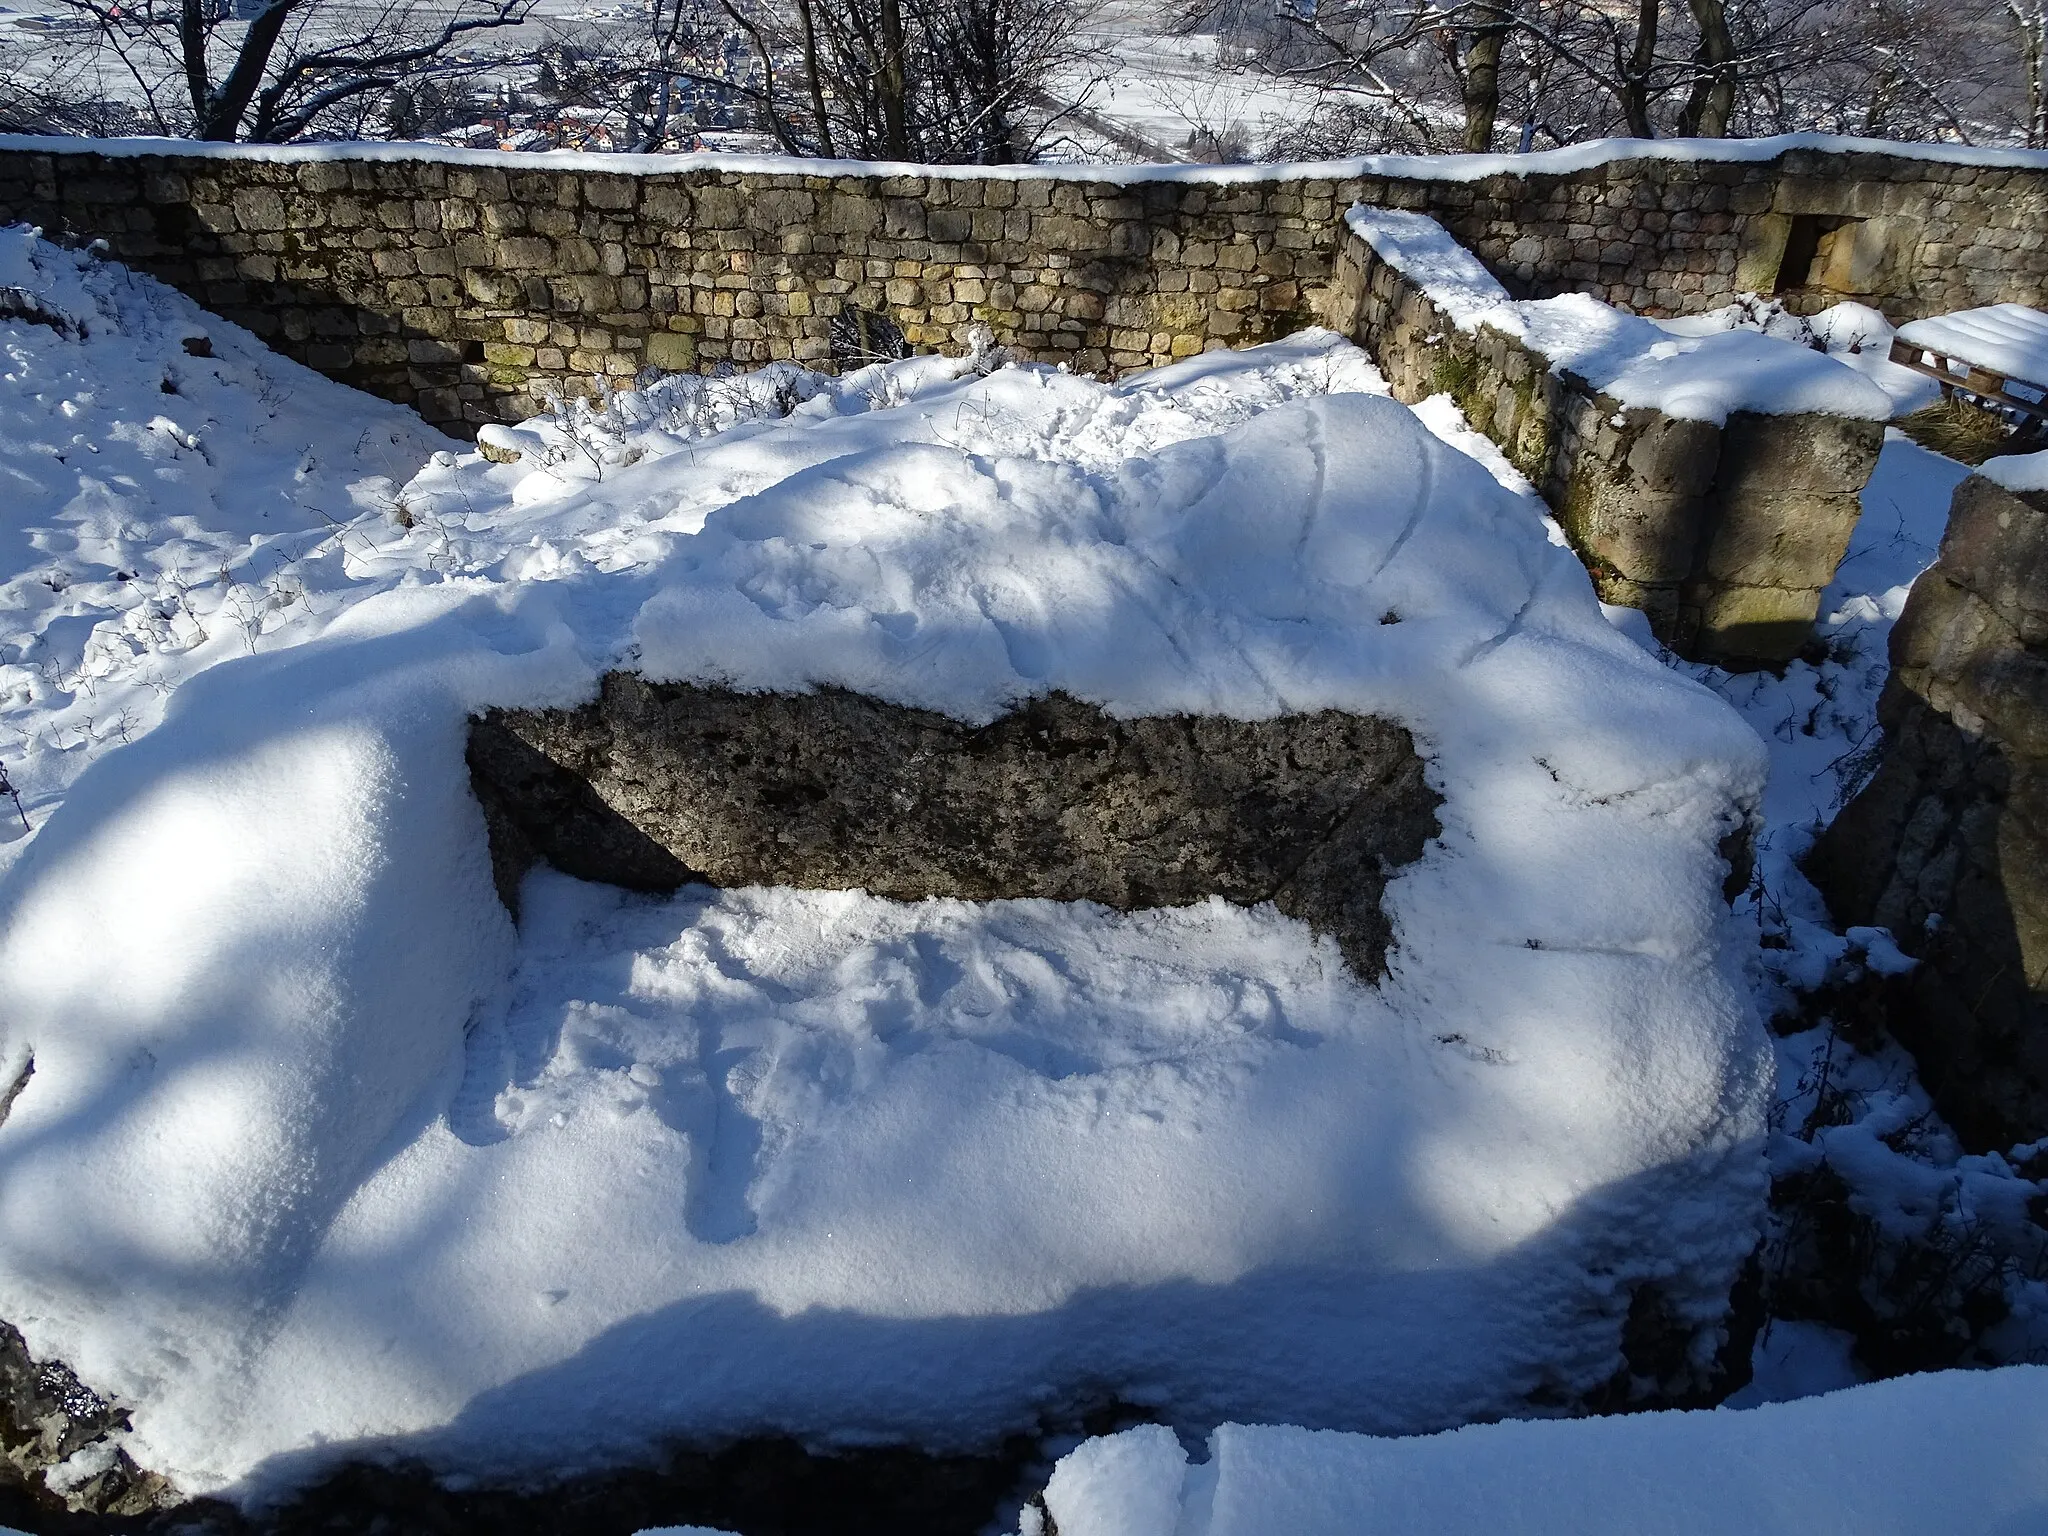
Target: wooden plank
1980,382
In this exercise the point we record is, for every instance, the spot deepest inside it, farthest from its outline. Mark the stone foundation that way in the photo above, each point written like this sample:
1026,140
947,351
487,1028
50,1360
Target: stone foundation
657,784
1947,846
1725,536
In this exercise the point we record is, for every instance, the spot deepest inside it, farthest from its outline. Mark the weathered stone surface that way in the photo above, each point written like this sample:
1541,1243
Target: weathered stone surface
1059,268
46,1415
1947,845
1642,532
1725,536
656,784
1769,455
1740,627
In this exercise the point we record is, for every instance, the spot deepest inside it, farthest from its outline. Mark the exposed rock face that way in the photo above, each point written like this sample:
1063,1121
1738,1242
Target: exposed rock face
655,785
46,1416
1948,844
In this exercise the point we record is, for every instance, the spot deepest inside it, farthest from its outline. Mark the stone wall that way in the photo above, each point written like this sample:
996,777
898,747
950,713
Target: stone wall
1947,846
1725,536
469,284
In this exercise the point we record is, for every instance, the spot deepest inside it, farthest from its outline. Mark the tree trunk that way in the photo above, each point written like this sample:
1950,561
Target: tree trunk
1884,89
1712,103
893,84
811,76
221,119
2032,18
1635,82
192,30
1482,78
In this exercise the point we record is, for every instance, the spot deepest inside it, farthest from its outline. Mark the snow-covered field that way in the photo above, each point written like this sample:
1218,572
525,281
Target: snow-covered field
1176,89
319,1156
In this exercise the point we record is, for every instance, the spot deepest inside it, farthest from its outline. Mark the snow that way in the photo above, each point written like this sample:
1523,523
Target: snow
163,510
1422,250
2008,339
1866,1461
1593,153
320,1157
1700,368
2017,471
1119,1485
1857,1109
1449,168
1858,337
1795,1359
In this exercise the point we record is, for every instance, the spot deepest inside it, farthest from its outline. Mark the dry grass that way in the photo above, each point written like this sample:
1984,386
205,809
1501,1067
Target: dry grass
1959,428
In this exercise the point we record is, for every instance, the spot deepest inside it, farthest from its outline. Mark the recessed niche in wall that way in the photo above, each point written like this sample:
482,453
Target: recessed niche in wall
1810,251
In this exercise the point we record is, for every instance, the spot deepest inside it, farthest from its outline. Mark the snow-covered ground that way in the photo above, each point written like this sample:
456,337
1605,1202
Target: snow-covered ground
173,491
1949,1453
318,1156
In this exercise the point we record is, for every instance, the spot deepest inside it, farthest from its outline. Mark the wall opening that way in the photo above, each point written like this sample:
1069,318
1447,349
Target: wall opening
1809,247
1830,255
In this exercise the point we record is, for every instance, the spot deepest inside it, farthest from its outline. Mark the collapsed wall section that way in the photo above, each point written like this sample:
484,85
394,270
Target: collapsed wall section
470,284
1947,845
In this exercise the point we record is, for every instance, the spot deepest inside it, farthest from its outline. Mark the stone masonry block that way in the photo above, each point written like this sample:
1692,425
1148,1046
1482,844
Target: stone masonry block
1772,454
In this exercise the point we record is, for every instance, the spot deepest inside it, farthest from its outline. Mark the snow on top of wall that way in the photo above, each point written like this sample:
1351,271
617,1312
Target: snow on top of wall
319,1155
2017,471
1415,245
1944,1451
1456,168
1697,369
2005,338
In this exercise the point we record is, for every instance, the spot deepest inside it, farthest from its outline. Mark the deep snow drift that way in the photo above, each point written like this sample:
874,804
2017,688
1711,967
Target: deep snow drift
172,490
319,1156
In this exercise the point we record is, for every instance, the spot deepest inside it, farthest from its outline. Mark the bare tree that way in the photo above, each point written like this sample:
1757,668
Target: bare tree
1441,69
1914,69
292,68
2030,17
938,81
1441,74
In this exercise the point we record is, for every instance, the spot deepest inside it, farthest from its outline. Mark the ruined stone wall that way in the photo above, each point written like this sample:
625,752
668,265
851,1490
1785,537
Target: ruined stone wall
1815,225
1725,536
469,284
471,290
1947,846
